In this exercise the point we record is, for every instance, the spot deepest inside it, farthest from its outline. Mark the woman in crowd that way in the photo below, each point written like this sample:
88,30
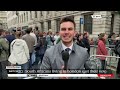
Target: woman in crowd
19,52
79,40
101,50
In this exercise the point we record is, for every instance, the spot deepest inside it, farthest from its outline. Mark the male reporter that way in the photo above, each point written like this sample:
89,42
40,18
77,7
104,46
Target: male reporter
53,60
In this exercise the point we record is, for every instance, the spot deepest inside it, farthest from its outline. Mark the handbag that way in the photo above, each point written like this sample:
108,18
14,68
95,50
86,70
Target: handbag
33,57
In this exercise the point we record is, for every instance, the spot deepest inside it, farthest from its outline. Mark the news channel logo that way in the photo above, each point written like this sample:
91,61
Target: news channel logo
100,16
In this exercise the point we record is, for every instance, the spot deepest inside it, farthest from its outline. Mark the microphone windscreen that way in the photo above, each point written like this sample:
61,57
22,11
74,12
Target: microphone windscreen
65,56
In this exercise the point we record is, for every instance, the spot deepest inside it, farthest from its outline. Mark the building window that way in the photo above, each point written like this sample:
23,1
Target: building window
17,13
35,14
1,26
27,15
42,26
58,24
41,13
30,15
49,24
112,23
88,23
48,12
15,20
20,19
24,18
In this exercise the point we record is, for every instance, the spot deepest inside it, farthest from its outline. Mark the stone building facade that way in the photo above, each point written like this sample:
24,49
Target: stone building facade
3,20
108,22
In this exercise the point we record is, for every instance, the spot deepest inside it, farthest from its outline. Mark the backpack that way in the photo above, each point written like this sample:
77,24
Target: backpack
1,49
117,48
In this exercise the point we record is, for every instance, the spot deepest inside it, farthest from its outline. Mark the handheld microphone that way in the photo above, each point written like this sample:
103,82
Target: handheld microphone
65,57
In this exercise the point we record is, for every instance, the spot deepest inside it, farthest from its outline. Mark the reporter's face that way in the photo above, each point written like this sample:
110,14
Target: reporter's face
67,31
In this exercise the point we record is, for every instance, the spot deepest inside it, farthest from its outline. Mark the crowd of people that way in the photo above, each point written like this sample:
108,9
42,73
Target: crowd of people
25,49
44,48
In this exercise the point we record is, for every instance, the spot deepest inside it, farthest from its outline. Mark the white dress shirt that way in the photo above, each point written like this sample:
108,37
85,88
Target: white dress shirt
64,47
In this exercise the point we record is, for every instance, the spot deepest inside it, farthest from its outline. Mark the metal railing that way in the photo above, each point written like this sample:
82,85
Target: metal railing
111,58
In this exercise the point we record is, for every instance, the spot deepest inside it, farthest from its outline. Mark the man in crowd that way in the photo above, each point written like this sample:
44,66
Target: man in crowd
77,56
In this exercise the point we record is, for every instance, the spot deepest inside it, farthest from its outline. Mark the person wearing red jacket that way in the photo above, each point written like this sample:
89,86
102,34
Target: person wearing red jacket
101,50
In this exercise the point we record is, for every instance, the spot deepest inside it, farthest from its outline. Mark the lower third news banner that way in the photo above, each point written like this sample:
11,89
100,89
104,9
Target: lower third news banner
58,73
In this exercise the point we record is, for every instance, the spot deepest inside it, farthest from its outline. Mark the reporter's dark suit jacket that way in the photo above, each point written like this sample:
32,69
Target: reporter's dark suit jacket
52,59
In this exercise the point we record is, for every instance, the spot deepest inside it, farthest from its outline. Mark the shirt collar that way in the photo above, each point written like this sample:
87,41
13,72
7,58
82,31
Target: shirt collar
60,47
64,47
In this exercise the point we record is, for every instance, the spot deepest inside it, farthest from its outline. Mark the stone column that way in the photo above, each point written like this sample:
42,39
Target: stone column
28,16
116,26
39,28
33,14
53,25
38,15
77,21
46,26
